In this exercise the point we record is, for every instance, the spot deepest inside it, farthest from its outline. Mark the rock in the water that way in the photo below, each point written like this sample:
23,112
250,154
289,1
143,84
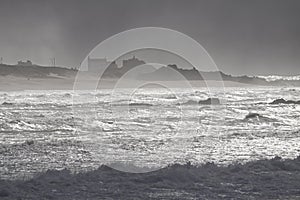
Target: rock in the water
210,101
252,115
283,101
7,103
29,142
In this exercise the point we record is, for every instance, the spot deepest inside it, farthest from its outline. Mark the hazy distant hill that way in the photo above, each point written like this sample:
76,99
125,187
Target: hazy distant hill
173,73
35,71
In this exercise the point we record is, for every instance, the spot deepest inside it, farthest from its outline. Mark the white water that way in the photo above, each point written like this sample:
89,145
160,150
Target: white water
86,129
279,78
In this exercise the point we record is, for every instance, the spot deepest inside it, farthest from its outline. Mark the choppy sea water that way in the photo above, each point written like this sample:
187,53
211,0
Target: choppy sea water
147,128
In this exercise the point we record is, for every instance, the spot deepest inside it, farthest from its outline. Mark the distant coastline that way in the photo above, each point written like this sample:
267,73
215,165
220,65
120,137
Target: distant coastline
21,77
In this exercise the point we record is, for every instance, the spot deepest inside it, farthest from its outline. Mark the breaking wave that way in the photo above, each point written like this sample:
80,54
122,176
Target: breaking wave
265,179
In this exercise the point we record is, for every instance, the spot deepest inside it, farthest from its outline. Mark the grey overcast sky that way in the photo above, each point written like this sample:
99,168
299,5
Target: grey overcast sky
252,37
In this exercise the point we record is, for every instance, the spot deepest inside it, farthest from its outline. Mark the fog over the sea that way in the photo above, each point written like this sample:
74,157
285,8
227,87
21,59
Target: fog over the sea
242,36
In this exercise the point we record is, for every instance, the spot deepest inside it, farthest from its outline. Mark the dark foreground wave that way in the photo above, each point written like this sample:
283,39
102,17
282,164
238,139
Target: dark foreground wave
264,179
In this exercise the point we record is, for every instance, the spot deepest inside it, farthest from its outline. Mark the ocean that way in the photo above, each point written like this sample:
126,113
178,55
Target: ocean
144,130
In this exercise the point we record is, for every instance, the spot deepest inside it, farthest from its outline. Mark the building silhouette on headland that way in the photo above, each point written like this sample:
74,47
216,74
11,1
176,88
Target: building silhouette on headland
96,65
130,64
26,63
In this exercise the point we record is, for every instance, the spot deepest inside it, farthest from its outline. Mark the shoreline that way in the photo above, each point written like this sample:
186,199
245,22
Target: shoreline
11,83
